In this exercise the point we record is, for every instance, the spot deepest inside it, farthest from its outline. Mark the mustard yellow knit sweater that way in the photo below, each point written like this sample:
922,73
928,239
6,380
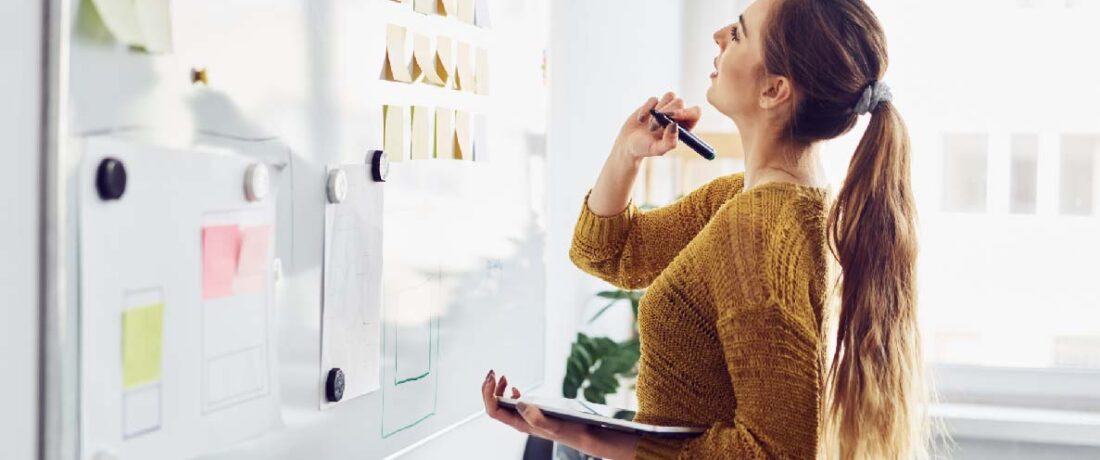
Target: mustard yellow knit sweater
731,322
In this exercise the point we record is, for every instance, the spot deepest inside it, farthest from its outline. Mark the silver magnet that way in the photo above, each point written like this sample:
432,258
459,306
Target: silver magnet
337,187
257,182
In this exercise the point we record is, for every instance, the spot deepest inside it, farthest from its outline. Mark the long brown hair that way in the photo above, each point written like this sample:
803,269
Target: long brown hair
876,400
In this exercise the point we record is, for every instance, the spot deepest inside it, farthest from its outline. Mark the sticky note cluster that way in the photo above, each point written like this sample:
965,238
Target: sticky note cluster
234,260
475,12
440,62
425,133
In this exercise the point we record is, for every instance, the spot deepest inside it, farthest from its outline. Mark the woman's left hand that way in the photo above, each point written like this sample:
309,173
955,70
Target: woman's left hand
585,438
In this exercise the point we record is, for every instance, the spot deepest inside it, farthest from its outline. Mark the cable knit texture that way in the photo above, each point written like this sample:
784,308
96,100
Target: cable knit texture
731,322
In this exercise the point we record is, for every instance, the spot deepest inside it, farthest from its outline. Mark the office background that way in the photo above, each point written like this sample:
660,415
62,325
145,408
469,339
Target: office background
1000,98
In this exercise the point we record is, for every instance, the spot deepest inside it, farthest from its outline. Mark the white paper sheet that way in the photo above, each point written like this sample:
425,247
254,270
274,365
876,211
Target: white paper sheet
351,319
215,384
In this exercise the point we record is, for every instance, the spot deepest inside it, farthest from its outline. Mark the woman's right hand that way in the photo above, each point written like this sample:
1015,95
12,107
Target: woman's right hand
641,136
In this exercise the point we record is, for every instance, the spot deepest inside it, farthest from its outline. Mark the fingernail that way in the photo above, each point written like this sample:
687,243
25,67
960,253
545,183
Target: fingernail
521,406
489,375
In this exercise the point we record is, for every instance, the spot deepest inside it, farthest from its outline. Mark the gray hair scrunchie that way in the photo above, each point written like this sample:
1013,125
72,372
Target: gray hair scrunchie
876,92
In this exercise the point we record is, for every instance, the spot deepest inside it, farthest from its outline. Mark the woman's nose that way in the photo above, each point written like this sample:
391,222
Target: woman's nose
719,37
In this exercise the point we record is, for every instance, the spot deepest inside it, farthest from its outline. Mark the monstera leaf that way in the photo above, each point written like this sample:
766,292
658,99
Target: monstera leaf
596,364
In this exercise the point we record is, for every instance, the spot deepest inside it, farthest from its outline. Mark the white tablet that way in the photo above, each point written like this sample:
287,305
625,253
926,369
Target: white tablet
599,415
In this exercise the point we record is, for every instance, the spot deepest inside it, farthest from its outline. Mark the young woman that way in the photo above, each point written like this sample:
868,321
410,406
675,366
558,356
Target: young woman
734,327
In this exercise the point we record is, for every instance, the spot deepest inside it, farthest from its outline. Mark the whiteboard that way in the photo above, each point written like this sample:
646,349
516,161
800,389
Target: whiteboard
301,78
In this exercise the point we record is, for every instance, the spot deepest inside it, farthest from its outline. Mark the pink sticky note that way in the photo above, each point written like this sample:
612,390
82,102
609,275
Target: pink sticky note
252,262
220,246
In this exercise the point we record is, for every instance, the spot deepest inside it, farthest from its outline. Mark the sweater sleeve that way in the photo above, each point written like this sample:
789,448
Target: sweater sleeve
770,348
631,248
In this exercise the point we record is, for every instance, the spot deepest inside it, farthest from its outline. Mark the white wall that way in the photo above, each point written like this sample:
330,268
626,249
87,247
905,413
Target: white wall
701,18
20,22
606,58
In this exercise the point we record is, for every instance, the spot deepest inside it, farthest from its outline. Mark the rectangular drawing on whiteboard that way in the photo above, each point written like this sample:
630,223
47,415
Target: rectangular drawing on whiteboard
412,356
141,411
416,255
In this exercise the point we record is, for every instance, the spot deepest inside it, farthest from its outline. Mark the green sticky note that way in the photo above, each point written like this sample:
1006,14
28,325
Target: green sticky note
142,330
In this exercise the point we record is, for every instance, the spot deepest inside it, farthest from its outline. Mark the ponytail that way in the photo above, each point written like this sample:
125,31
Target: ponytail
877,392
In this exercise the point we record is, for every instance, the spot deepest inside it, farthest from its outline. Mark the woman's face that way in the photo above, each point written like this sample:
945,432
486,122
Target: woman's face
737,82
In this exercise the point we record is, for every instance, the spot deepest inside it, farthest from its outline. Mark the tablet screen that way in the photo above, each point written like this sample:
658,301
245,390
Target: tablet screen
599,415
588,408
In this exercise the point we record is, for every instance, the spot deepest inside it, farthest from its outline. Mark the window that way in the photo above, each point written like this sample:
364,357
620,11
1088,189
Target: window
964,172
1078,173
1006,174
1024,171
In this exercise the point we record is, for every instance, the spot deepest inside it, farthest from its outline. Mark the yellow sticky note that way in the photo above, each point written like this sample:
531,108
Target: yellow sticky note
422,132
466,10
465,76
424,6
447,7
444,134
397,64
482,71
393,140
142,332
444,58
463,136
424,64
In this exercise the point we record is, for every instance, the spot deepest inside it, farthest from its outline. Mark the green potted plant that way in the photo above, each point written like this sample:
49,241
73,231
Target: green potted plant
597,365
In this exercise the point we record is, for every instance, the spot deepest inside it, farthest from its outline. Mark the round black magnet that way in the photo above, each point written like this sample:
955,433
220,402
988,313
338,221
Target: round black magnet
110,179
334,385
380,165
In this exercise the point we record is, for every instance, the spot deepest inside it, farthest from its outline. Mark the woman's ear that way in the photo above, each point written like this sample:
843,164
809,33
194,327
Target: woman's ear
777,92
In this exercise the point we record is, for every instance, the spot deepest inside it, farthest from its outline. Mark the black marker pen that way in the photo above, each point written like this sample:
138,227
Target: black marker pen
686,136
